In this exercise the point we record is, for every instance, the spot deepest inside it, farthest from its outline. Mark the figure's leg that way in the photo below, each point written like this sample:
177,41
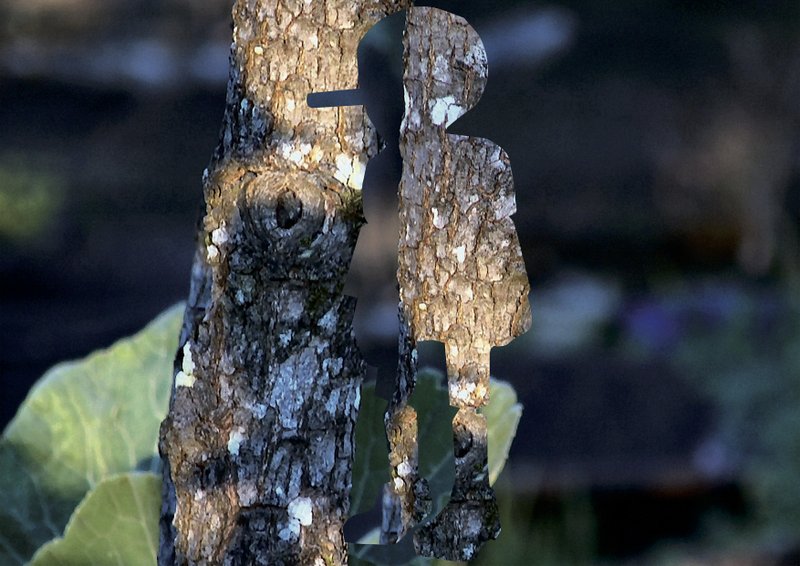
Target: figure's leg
471,516
406,499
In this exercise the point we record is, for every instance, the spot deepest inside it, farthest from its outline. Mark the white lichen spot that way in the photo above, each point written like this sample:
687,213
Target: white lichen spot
319,561
296,157
235,441
185,377
439,110
258,50
184,380
410,112
290,105
329,320
287,404
441,69
476,58
290,532
300,510
284,149
398,484
438,220
359,169
333,401
187,364
259,410
445,111
350,170
333,365
293,310
285,338
344,167
247,492
422,306
199,495
469,550
212,253
461,253
219,236
462,392
316,155
404,469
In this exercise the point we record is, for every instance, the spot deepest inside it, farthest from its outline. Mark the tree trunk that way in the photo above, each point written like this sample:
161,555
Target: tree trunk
258,443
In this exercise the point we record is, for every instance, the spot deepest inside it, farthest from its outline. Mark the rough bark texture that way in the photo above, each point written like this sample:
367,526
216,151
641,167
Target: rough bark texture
258,443
460,268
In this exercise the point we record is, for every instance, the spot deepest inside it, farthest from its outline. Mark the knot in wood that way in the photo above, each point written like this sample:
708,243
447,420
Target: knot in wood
288,210
297,223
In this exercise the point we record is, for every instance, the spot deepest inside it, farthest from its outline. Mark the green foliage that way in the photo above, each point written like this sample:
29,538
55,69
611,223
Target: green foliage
117,523
81,452
82,423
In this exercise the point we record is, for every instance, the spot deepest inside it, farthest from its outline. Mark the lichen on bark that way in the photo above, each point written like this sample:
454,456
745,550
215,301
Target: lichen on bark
258,443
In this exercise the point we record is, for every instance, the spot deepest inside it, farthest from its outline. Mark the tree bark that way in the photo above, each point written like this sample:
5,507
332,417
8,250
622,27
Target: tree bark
258,443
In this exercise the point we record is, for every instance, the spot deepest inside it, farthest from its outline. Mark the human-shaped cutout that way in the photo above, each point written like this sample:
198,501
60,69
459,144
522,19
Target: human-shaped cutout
460,267
461,275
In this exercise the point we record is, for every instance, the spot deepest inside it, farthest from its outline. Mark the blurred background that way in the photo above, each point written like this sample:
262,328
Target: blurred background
654,145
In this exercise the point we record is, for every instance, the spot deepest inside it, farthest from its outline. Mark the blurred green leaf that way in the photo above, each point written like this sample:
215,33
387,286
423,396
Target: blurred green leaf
29,199
83,422
117,523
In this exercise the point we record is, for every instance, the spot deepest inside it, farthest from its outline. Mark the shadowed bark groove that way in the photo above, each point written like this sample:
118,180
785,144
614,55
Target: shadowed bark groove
460,268
258,442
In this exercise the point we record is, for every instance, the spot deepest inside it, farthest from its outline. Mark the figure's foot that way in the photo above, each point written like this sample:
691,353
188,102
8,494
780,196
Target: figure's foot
460,529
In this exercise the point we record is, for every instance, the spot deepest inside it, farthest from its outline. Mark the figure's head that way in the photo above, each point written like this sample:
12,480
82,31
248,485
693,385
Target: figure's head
459,73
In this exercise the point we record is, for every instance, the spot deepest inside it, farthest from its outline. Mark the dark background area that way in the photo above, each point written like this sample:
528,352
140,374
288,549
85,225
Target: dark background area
654,149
